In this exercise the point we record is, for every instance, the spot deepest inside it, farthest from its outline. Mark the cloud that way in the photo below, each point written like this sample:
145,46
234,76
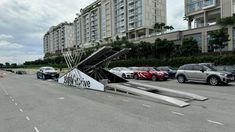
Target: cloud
175,14
24,22
20,59
6,45
6,37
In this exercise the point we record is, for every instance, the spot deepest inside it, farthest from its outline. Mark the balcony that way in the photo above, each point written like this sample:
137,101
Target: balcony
209,3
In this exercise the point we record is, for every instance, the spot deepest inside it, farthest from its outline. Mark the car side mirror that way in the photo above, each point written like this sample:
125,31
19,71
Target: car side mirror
202,70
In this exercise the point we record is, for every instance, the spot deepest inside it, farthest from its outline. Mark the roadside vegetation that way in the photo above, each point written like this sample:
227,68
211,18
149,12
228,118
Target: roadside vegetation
159,53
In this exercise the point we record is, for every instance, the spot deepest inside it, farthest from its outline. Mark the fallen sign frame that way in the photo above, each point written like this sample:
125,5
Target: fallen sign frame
79,79
91,74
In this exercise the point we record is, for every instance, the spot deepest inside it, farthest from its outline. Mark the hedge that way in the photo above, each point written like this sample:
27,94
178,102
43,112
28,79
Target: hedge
176,62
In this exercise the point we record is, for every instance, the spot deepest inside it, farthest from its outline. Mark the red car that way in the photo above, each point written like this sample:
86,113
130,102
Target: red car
150,73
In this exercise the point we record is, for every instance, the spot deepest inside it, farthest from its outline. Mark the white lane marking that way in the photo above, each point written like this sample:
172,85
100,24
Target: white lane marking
36,129
16,104
12,100
27,118
177,113
148,106
61,98
215,122
10,97
21,110
125,100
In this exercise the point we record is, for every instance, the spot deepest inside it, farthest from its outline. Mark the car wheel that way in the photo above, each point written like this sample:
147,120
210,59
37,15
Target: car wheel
136,77
123,75
43,77
37,77
154,78
181,79
214,81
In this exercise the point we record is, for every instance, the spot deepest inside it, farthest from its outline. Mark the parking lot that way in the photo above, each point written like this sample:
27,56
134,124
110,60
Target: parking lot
28,104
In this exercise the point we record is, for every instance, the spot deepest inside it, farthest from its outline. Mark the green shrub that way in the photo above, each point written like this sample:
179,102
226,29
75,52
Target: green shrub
176,62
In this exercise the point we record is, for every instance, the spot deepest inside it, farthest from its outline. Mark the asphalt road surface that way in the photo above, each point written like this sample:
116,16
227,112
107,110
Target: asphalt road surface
31,105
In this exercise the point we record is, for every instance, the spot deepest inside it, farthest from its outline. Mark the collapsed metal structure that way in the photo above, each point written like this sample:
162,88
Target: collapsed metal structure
91,73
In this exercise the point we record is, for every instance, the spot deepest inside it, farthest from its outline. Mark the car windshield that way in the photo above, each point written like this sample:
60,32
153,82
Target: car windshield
154,69
230,68
124,69
133,68
210,68
49,68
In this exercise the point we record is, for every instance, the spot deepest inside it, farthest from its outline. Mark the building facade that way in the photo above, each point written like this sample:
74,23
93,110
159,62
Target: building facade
202,16
106,19
59,38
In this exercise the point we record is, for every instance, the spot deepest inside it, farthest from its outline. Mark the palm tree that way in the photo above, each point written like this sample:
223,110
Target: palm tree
162,25
169,27
157,27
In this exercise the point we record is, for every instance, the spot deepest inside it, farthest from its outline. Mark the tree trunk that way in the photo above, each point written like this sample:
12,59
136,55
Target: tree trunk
220,51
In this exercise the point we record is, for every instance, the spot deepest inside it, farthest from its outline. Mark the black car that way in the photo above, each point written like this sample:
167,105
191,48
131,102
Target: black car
21,72
9,70
171,71
47,73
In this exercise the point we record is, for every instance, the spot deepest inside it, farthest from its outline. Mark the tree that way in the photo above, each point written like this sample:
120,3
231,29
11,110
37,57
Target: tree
1,65
169,28
163,48
157,27
13,65
189,47
226,21
161,27
219,39
7,64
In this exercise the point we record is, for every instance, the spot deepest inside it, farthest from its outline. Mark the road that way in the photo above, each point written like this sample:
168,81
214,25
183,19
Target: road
31,105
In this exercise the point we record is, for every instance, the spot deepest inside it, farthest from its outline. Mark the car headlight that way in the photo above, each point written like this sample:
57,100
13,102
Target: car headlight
160,74
222,74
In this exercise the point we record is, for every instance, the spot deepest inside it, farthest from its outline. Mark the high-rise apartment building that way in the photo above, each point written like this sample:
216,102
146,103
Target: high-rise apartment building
60,37
103,20
106,19
202,16
202,13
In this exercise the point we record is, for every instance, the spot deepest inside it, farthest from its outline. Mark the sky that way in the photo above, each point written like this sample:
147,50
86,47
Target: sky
24,22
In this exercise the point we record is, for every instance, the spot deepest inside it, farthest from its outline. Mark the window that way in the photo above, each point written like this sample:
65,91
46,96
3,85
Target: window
186,67
197,67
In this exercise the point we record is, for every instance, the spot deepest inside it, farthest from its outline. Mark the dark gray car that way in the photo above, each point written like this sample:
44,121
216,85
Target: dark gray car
203,73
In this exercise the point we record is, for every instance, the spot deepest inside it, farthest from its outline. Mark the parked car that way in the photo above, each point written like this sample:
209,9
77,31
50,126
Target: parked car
47,73
122,72
207,64
133,68
150,73
203,73
9,70
171,71
21,72
226,68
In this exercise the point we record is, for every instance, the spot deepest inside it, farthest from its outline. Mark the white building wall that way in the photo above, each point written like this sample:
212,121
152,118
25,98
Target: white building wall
69,36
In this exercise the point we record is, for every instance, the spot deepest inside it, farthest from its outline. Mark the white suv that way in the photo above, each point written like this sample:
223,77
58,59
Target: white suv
203,73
